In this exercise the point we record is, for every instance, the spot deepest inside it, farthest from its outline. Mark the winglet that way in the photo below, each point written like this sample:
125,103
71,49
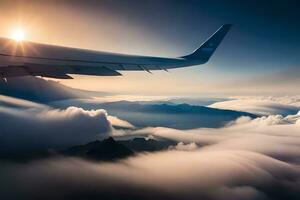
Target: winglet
205,51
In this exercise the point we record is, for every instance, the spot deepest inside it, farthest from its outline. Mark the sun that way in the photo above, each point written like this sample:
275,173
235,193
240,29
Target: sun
18,35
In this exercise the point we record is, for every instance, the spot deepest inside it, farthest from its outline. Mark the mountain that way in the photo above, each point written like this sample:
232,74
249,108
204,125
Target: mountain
106,150
199,101
110,149
147,145
179,116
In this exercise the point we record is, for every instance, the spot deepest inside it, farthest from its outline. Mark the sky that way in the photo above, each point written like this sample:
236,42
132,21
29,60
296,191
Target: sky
260,55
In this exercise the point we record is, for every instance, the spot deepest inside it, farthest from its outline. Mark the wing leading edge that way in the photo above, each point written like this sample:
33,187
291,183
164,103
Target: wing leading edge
28,58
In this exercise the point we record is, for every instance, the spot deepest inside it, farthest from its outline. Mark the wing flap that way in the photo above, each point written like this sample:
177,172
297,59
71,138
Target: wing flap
101,71
58,76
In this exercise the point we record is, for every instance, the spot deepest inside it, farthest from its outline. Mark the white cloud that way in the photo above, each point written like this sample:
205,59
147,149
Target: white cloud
215,175
262,105
185,147
36,128
27,125
274,135
11,101
115,121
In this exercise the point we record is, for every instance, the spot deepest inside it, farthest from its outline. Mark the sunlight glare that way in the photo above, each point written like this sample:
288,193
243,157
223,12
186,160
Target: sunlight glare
18,35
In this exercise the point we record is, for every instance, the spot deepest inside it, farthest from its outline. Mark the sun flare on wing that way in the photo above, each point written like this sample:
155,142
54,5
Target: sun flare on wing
18,35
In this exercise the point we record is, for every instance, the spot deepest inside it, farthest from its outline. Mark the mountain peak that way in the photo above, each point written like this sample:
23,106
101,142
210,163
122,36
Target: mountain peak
107,149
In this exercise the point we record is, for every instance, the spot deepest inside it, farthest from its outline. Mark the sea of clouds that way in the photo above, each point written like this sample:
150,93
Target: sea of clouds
246,159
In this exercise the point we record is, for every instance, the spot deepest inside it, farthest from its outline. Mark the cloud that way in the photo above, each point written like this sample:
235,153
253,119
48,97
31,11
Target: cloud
262,105
247,159
46,128
185,147
20,103
275,135
165,175
119,122
26,125
37,89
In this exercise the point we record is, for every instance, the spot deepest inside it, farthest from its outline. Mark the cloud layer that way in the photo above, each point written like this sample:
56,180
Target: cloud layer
262,105
247,159
172,175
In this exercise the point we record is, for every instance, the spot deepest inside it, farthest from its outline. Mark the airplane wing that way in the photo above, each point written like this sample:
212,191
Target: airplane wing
28,58
54,71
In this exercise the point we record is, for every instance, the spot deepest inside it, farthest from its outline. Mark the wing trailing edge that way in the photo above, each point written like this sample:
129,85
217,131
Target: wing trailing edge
54,71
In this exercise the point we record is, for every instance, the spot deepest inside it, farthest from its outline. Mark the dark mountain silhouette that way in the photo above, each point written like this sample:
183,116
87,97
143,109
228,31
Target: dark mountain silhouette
106,150
200,101
179,116
110,149
147,145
